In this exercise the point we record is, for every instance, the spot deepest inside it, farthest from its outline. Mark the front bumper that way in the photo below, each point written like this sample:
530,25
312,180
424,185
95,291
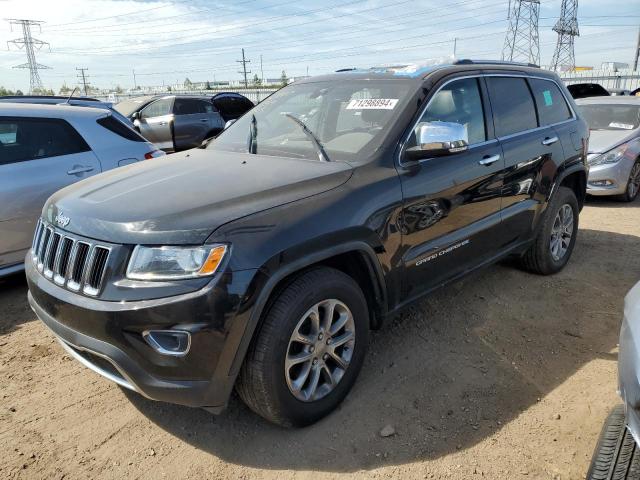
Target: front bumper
629,361
107,336
616,173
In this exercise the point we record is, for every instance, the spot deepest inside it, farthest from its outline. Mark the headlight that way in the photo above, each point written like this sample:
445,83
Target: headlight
172,263
612,156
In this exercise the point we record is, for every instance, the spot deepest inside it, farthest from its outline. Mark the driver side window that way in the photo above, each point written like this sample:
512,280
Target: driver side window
457,102
157,109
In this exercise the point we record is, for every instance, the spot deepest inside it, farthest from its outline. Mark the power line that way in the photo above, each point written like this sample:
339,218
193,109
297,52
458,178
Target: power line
244,68
30,45
112,16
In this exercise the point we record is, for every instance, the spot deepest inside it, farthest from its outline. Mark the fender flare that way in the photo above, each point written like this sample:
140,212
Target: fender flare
297,265
565,172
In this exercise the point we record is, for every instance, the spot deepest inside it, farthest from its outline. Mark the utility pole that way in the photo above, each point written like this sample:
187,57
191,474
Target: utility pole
244,69
455,46
635,62
564,57
30,45
261,72
135,85
83,77
522,42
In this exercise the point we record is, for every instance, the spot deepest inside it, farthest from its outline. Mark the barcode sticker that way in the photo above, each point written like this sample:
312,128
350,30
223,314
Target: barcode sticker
373,104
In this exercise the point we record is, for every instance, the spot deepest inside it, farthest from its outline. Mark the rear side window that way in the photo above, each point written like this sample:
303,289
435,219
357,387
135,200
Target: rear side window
188,106
23,139
116,126
552,106
513,107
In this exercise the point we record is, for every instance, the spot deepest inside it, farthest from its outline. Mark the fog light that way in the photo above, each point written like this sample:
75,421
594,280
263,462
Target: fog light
168,342
601,183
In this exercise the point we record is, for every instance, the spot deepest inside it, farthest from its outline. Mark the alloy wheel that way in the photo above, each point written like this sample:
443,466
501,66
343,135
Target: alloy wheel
320,350
634,181
561,232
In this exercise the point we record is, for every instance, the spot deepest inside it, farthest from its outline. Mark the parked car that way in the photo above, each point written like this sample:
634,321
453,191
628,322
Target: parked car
614,145
617,454
584,90
179,122
46,147
263,260
60,100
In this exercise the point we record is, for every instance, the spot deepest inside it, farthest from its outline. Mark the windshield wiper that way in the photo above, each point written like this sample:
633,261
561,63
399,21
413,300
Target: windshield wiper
321,153
252,141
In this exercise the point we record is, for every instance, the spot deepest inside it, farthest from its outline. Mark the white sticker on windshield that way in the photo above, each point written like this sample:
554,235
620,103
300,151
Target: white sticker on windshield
373,104
625,126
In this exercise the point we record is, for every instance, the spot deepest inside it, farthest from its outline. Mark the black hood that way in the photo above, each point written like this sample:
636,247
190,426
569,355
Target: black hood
182,198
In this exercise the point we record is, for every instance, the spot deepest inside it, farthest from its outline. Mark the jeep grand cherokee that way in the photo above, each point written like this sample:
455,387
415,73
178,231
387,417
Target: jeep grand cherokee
262,261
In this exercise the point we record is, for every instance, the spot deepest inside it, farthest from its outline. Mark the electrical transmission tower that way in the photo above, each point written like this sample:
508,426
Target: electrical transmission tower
564,57
522,42
244,70
30,45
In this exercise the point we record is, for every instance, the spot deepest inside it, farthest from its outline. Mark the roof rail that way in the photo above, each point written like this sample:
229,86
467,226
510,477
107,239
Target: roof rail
467,61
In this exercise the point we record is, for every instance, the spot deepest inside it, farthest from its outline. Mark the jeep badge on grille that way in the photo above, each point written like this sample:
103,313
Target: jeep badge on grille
61,219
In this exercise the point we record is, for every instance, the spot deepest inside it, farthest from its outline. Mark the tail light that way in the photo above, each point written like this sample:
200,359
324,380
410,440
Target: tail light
154,154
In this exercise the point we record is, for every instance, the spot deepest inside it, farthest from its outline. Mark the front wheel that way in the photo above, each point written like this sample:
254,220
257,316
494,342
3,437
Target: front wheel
310,347
556,237
633,185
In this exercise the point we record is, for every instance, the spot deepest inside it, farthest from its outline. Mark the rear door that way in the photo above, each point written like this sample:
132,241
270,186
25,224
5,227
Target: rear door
155,123
532,154
38,156
191,122
451,211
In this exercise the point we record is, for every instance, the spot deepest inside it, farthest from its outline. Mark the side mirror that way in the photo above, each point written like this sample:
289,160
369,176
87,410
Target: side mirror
436,139
135,116
229,123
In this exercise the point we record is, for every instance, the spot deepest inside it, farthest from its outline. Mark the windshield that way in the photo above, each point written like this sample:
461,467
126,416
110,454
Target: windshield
611,117
127,107
346,120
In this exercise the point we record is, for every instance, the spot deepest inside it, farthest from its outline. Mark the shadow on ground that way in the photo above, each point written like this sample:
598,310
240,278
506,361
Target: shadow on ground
448,373
14,307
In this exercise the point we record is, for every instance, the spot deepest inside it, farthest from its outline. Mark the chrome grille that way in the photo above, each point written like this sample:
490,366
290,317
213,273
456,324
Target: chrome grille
74,263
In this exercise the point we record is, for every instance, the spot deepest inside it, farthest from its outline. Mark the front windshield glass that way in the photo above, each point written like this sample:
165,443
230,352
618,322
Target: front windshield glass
611,117
347,118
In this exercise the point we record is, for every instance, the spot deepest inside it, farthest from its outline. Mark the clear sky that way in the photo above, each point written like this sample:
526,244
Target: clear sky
167,41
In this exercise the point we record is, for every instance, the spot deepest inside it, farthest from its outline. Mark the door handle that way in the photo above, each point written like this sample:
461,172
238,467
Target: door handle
549,141
162,123
204,120
80,169
489,160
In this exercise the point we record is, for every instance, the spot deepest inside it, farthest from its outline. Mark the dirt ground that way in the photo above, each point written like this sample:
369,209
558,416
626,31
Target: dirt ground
501,375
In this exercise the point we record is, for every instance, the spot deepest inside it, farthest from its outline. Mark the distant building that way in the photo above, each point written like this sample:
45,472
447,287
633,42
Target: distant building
614,66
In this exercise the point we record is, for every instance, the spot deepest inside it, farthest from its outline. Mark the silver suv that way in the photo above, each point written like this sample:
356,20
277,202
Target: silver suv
44,148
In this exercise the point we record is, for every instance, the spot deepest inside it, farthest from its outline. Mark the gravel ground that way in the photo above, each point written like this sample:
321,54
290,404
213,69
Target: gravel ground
501,375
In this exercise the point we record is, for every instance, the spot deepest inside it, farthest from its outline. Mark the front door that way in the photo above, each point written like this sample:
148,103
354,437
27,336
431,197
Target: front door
155,123
38,156
451,211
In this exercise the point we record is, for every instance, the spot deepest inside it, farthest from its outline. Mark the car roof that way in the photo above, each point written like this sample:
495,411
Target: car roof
420,71
621,99
50,111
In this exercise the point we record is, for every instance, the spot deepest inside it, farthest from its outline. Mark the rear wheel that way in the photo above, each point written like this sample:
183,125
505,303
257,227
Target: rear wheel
556,237
309,350
633,185
616,456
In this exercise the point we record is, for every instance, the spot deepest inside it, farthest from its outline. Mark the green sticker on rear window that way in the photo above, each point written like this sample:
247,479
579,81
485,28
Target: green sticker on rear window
548,99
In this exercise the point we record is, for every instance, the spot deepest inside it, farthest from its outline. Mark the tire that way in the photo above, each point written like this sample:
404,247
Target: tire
616,456
631,193
267,387
539,257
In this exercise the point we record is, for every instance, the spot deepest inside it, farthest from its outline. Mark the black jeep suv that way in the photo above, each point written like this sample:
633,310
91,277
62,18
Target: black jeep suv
263,260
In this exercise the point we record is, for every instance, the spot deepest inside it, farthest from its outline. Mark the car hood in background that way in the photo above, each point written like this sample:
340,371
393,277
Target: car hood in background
601,141
182,198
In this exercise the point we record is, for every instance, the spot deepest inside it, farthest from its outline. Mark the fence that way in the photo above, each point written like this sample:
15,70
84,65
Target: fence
256,95
620,80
